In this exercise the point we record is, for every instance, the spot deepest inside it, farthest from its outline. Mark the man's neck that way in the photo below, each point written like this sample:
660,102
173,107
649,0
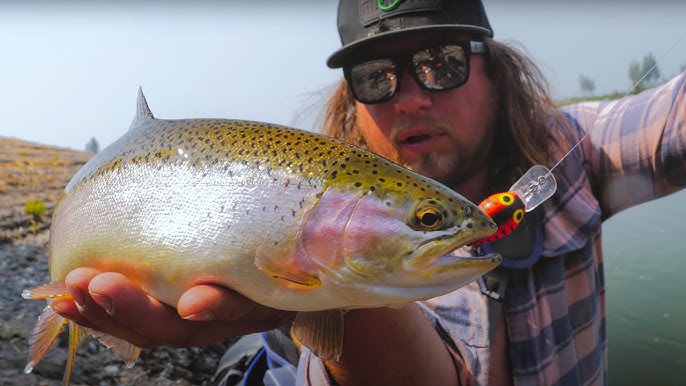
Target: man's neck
473,188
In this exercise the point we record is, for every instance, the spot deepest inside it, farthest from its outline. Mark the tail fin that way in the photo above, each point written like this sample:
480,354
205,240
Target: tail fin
142,110
50,324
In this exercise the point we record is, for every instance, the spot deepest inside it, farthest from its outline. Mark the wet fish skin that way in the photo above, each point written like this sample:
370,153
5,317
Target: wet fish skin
290,219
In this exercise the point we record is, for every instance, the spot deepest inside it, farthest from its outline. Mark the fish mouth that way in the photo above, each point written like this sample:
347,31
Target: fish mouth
448,263
444,274
441,246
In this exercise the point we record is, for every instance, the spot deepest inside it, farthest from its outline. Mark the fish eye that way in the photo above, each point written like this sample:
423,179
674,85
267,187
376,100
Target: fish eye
429,215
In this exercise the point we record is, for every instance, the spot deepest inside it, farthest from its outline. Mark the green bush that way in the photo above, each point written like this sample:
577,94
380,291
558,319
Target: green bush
35,208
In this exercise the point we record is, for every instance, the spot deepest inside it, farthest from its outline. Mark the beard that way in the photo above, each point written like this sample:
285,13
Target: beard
455,168
451,169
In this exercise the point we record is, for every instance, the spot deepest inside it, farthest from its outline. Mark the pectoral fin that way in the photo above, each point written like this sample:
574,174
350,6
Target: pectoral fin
321,332
53,290
285,270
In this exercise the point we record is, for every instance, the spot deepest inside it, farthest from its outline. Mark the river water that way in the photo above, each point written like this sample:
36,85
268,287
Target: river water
645,276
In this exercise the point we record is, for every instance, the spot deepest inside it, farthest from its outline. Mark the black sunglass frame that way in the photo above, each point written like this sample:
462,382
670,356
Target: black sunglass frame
403,62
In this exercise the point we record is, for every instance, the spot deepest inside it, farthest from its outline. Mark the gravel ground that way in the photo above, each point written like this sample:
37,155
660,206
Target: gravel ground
30,171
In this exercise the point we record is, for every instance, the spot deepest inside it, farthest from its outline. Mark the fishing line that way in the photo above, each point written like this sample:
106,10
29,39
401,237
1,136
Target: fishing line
612,106
538,183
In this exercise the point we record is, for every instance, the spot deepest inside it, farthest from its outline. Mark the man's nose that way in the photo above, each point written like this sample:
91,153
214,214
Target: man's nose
411,98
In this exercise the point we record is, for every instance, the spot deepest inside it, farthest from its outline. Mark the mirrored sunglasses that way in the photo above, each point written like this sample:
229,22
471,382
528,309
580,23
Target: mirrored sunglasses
439,68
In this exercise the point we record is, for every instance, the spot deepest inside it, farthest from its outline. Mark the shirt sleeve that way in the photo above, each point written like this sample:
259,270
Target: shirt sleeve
311,371
636,146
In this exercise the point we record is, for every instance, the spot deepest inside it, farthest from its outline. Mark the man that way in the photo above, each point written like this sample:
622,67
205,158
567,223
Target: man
426,86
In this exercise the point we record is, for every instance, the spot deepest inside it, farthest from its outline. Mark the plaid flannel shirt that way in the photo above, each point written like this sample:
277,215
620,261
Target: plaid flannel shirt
555,310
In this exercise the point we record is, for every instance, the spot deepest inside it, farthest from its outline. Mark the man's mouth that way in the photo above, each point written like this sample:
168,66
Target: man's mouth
419,139
416,139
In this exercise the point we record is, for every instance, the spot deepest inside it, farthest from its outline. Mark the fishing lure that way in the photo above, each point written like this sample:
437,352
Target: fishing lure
536,185
507,208
507,211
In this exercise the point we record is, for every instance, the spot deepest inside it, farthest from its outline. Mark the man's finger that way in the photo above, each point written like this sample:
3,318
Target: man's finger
210,302
129,306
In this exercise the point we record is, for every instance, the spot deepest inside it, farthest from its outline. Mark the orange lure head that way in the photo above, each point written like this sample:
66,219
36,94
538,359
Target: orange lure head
507,210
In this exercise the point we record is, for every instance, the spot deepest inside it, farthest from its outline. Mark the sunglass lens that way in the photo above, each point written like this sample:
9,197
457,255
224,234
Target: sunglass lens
374,81
441,68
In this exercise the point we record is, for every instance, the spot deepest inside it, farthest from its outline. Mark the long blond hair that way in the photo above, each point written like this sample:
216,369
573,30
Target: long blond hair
527,115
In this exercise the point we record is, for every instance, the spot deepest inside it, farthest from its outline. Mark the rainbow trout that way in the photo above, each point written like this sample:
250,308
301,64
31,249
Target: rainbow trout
290,219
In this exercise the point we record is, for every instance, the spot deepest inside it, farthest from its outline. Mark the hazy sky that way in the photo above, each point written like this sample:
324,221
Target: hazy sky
70,71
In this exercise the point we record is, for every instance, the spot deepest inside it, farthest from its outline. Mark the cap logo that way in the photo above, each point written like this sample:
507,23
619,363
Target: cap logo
372,11
389,7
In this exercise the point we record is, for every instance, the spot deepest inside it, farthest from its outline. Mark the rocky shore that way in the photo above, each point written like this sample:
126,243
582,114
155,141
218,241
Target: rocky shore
39,173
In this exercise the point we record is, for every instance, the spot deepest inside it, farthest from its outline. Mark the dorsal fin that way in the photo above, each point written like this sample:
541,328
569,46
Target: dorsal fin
142,110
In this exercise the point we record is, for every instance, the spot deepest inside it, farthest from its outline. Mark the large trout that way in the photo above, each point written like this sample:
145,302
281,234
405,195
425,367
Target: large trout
291,219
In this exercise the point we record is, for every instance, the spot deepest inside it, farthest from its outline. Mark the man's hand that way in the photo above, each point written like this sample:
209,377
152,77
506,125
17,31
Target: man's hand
205,314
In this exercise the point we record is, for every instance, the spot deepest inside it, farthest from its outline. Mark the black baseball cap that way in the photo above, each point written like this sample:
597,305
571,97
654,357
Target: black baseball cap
366,25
